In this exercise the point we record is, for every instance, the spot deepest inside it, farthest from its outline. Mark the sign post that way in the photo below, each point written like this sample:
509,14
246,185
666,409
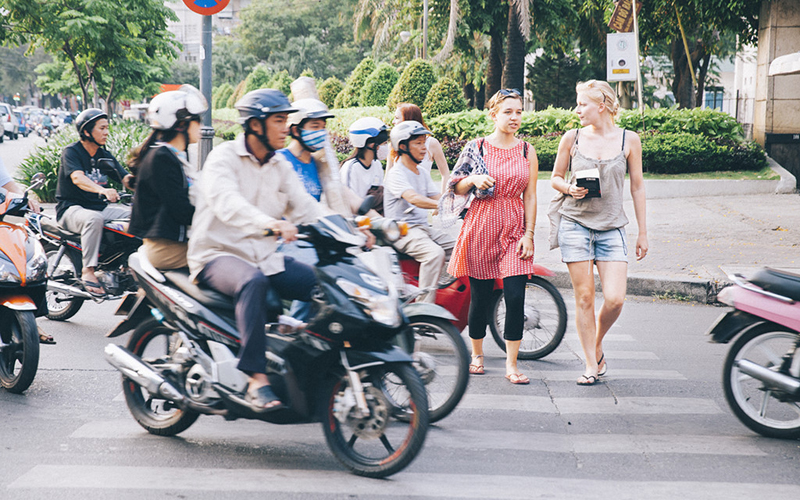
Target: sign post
206,8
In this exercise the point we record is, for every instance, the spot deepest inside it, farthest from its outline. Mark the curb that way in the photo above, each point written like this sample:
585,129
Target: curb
695,290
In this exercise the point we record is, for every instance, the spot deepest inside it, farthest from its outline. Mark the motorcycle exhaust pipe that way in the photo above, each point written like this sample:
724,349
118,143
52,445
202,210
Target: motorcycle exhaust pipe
54,286
771,378
140,372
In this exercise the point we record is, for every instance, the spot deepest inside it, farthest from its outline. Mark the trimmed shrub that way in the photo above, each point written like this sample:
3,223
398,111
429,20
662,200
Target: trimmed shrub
281,81
222,95
379,85
122,137
444,97
238,92
464,125
705,122
413,85
259,78
345,117
329,89
225,129
351,92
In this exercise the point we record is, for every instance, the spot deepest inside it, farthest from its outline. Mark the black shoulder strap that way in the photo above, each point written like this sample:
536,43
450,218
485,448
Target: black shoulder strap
574,145
525,149
623,140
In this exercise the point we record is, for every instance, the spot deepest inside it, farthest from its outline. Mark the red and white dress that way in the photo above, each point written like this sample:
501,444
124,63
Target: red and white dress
487,244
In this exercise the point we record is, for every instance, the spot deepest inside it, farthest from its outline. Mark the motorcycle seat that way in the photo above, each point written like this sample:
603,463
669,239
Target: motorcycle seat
778,282
206,296
55,229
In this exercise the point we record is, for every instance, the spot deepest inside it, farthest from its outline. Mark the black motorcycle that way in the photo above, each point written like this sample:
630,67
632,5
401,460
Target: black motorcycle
65,291
340,369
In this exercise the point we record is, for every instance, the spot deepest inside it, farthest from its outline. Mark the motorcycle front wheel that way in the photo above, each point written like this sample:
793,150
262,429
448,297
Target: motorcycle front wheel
61,306
155,344
442,361
769,412
379,443
19,355
545,319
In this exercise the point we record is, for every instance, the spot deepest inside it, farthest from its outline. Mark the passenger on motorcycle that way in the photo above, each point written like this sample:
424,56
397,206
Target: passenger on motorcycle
409,194
162,208
245,189
81,187
363,171
7,183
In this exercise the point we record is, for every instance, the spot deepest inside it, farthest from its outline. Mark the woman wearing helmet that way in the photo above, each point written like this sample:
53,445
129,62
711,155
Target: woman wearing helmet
407,111
363,171
162,207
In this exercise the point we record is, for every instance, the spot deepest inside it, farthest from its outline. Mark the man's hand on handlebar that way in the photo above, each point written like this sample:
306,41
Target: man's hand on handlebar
284,229
110,194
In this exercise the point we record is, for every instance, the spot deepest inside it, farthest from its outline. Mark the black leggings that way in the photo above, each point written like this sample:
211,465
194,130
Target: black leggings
481,306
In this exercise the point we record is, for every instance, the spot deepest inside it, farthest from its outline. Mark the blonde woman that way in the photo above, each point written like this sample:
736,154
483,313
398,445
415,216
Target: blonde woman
592,228
496,239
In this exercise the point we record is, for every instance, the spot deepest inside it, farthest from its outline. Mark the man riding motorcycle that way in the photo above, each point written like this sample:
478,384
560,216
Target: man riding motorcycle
245,190
81,187
408,195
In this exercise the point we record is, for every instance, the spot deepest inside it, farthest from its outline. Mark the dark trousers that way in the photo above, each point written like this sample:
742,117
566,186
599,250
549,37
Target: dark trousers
257,300
481,306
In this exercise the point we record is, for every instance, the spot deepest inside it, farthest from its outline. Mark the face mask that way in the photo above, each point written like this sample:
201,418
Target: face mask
383,152
313,139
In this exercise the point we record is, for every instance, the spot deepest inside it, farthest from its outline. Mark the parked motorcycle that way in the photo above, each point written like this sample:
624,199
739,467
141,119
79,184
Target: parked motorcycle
340,370
65,291
23,276
761,375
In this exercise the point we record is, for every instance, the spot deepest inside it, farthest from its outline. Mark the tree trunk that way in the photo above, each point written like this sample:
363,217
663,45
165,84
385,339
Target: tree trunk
514,66
480,97
682,86
81,81
494,69
704,64
110,94
469,94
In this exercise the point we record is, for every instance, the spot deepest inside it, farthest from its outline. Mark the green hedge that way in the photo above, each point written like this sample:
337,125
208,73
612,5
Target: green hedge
444,97
379,85
259,78
238,92
123,136
329,89
351,92
345,117
413,85
220,98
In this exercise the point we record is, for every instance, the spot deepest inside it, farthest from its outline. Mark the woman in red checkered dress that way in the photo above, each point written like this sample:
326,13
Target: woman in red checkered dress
496,240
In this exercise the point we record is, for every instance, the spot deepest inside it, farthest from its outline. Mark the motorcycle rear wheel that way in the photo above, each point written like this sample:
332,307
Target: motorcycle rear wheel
757,407
442,361
155,344
545,319
19,358
380,444
59,306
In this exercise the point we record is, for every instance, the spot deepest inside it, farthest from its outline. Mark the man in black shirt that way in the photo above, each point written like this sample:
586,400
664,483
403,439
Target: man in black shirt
81,182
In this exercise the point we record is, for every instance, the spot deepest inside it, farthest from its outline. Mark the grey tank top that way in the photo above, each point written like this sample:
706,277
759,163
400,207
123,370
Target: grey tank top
606,212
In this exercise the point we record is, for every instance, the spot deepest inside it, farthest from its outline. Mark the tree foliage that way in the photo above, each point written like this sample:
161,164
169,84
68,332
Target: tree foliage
102,40
552,79
444,97
414,84
329,89
351,93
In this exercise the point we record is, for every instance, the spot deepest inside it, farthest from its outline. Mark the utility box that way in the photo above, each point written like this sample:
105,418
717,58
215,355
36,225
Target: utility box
621,59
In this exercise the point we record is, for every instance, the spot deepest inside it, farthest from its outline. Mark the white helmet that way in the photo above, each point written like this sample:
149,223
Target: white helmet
168,108
308,109
364,129
406,130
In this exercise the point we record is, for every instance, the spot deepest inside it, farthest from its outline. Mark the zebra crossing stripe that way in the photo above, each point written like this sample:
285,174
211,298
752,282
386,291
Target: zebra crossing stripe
594,405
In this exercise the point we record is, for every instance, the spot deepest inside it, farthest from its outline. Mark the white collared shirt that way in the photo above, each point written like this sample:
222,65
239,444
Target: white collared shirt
237,198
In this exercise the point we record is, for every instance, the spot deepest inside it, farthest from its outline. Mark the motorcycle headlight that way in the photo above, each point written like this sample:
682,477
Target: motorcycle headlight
8,272
382,308
36,268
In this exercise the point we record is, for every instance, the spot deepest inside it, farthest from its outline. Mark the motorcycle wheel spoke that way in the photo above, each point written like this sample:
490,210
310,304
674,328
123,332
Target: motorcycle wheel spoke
774,359
387,444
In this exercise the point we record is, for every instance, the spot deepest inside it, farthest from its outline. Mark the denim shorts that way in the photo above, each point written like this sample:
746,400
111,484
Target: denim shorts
579,243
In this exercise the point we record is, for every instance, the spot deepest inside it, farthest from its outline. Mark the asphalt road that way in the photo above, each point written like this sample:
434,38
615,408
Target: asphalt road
13,152
657,427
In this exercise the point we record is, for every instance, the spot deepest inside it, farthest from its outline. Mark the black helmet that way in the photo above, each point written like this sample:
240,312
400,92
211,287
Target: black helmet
88,117
261,103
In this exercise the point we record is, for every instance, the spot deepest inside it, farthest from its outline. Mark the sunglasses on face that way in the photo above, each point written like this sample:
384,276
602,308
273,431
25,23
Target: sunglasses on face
510,92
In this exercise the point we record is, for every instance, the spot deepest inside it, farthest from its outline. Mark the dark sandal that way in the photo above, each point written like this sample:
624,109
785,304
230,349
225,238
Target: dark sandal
264,400
46,339
93,284
605,368
475,369
590,380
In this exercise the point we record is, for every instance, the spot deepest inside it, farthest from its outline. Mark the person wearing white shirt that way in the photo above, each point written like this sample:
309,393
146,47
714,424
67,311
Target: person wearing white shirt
363,171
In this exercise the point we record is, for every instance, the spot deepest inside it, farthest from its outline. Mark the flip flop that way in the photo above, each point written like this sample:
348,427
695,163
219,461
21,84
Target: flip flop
605,368
93,284
475,369
590,380
518,378
46,339
264,400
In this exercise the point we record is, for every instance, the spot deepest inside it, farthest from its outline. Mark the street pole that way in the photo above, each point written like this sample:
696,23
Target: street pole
425,29
207,131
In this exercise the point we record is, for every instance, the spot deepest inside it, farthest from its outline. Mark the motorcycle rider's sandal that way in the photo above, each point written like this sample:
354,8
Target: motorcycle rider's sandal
263,400
584,380
46,339
475,368
88,285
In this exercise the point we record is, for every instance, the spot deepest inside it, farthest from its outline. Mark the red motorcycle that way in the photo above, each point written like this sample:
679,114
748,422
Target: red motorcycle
545,311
